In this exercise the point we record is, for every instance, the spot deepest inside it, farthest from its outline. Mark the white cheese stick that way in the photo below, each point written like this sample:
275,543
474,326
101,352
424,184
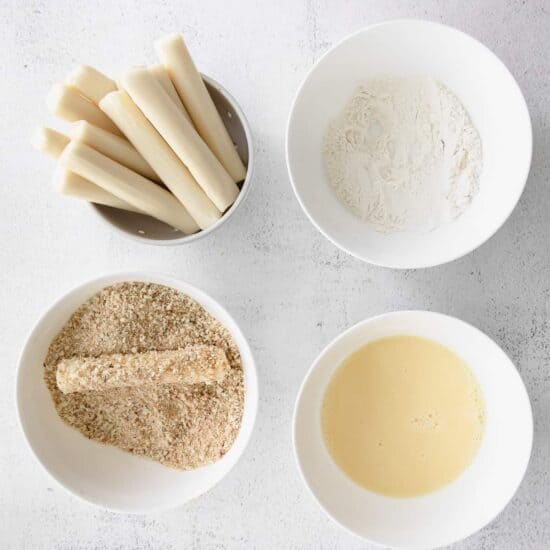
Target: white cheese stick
189,84
159,72
70,184
91,83
115,147
53,143
157,106
127,185
174,174
66,102
49,141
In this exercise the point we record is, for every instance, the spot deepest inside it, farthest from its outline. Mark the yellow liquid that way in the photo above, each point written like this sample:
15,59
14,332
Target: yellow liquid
403,416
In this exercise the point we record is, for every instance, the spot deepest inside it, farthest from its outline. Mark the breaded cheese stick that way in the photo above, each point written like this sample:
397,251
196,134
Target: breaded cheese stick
160,73
113,146
49,141
194,364
53,143
181,136
72,185
191,88
124,112
66,102
91,83
127,185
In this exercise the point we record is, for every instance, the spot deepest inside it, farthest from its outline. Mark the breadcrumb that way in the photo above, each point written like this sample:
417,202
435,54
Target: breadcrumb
180,425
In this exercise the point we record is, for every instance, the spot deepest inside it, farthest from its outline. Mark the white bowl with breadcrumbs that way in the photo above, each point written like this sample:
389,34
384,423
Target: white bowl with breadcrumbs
104,475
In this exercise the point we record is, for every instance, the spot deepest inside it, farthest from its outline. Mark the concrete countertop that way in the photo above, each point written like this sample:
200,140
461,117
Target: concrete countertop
289,288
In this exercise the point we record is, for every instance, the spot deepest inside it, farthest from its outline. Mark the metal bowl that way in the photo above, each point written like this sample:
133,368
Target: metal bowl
146,229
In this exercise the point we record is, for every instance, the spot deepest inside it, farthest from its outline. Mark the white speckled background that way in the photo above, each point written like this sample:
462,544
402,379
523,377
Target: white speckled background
290,289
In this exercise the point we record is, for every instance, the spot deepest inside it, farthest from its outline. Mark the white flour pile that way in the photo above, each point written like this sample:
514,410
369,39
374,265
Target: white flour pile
404,155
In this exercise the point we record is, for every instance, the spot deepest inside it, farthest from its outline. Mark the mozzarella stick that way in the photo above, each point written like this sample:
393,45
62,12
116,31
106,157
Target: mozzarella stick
72,185
66,102
124,112
194,364
159,72
127,185
181,136
91,83
49,141
115,147
53,143
191,88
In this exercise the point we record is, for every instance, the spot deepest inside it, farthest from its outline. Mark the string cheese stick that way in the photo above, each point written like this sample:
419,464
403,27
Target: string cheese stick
189,84
72,185
66,102
196,364
159,72
91,83
115,147
49,141
157,106
127,185
53,143
124,112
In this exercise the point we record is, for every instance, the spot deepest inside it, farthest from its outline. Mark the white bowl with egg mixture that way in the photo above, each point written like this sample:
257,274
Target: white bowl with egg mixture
457,509
104,475
479,80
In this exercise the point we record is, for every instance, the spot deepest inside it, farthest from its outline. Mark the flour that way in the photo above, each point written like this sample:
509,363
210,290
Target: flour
404,155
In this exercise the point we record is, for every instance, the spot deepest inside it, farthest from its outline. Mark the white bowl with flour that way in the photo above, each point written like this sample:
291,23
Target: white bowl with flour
478,90
104,475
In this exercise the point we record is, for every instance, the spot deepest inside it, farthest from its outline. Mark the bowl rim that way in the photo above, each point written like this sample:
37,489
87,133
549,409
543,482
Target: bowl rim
239,200
144,276
505,214
344,334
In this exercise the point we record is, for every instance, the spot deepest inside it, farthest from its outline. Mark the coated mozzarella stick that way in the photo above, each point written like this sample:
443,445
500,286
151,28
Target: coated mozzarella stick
53,143
191,88
66,102
72,185
113,146
92,83
180,135
125,184
196,364
159,72
120,108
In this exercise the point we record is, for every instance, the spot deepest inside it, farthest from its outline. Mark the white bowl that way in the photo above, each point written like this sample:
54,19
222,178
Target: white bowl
101,474
149,230
456,510
485,87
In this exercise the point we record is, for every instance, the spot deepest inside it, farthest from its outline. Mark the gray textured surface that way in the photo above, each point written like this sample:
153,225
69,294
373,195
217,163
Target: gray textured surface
290,290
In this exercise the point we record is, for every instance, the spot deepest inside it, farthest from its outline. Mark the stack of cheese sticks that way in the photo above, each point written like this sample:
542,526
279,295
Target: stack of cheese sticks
156,125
